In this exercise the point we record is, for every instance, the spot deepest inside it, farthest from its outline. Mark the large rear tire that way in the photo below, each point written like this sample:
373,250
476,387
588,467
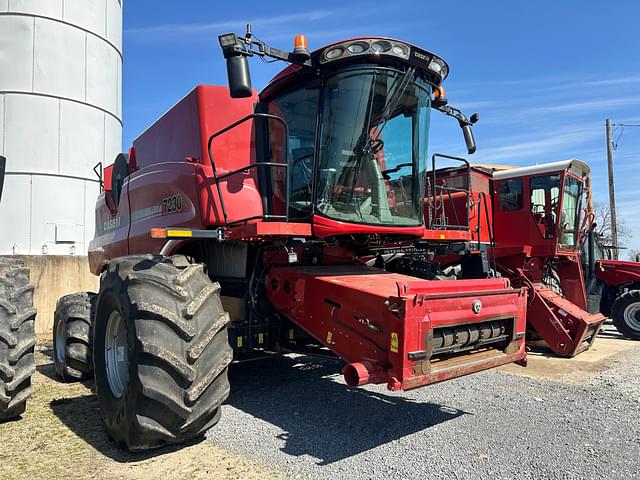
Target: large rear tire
72,336
625,313
161,351
17,338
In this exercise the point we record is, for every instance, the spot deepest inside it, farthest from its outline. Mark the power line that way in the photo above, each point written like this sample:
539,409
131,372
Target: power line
621,126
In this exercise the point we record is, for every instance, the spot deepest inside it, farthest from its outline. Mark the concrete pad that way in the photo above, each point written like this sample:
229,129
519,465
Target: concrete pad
600,357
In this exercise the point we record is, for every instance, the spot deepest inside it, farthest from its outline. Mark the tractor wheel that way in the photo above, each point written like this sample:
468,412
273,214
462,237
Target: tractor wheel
625,313
17,338
72,336
161,351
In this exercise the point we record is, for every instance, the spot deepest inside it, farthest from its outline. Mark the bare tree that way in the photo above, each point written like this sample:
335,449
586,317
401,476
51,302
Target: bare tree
603,226
633,255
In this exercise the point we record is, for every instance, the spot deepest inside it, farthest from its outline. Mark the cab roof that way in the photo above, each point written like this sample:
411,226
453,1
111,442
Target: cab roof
577,167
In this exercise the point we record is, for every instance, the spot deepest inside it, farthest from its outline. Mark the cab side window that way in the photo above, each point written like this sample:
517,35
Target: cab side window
299,109
545,194
510,194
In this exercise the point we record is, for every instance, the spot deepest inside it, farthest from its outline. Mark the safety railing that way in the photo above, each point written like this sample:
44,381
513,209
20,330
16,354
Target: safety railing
268,215
440,194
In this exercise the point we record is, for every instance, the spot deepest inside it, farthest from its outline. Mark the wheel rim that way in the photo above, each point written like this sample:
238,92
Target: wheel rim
61,341
116,355
632,316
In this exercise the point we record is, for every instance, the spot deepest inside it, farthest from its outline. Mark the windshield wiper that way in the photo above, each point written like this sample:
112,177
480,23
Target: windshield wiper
364,147
394,99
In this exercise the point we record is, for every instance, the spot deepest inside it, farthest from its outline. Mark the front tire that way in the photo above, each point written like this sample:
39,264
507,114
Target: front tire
17,338
625,313
72,336
161,351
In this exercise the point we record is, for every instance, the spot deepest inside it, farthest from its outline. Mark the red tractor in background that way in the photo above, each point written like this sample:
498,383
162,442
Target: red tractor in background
242,222
17,332
613,286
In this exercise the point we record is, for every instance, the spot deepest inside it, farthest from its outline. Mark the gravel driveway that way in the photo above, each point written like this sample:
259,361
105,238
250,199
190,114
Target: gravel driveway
295,414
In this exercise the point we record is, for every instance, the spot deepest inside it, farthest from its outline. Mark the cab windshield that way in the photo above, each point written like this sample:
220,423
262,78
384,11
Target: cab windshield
373,147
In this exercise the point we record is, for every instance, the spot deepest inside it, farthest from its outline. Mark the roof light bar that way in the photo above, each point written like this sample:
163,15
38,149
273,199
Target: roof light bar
373,46
392,48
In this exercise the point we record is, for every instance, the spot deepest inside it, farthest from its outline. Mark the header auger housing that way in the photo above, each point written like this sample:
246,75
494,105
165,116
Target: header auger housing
260,223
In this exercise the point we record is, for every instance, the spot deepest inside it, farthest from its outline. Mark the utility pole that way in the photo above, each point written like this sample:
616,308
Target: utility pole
612,193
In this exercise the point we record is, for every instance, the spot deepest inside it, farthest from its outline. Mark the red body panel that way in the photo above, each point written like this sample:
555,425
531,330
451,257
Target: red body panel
260,231
171,159
366,314
148,187
618,272
327,227
111,238
182,134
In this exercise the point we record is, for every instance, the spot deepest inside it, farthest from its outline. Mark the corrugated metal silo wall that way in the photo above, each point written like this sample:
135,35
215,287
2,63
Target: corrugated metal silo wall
60,114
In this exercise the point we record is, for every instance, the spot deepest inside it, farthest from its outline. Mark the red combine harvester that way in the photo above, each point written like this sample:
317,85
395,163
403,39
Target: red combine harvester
242,222
525,224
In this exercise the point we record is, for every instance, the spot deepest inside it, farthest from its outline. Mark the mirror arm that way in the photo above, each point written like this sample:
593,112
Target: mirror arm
248,46
455,113
464,122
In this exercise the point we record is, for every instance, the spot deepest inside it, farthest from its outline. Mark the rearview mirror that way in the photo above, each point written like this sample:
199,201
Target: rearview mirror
239,76
467,131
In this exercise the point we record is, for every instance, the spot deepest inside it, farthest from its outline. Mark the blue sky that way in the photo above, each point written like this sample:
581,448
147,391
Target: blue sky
543,75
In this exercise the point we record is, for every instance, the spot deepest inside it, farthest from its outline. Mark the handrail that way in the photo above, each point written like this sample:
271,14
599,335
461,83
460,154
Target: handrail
482,198
97,169
218,178
434,195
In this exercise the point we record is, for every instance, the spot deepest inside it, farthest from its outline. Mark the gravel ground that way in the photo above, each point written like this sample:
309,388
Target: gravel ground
295,414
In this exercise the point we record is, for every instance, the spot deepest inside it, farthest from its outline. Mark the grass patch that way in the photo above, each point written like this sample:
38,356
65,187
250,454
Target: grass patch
61,436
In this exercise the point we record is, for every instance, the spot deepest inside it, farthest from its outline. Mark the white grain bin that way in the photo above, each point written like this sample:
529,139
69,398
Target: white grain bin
60,114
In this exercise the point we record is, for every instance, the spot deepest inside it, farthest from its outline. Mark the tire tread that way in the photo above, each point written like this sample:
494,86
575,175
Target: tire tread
617,313
176,311
76,312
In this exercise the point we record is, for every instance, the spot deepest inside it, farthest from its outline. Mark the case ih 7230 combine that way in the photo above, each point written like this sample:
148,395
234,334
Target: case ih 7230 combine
291,219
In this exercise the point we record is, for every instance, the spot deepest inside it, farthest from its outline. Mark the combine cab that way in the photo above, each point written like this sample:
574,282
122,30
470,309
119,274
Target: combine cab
242,222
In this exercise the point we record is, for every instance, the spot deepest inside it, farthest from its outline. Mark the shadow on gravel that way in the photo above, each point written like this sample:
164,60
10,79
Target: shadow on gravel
47,350
48,370
322,418
82,416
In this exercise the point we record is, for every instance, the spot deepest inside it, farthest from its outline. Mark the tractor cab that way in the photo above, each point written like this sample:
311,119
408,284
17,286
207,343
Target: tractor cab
541,207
